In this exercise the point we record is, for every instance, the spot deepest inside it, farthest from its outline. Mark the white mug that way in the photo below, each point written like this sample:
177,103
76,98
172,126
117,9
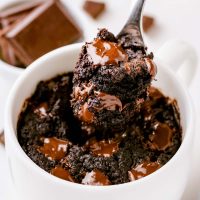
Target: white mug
168,183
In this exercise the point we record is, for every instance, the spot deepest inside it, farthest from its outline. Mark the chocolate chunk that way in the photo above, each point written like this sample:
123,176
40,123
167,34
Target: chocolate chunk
20,9
103,53
147,22
95,177
142,170
104,148
61,173
47,27
53,148
93,8
161,138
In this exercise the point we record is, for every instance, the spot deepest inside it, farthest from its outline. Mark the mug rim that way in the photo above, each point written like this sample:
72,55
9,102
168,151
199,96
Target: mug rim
10,132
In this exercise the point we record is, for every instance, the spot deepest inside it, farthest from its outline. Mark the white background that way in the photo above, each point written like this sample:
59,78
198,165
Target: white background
174,19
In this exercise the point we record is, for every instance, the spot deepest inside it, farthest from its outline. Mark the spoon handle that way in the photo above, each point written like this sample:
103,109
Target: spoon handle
132,25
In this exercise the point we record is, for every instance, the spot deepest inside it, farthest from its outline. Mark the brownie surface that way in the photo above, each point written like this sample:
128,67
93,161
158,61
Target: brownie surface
54,139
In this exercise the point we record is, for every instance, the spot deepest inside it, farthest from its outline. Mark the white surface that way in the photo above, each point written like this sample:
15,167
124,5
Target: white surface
174,19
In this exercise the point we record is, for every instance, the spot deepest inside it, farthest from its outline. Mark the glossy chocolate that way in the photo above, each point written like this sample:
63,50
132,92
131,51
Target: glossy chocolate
61,173
104,148
103,52
54,149
95,177
85,114
142,170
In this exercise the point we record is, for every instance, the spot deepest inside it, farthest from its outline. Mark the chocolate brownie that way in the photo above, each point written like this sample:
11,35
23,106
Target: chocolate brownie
110,82
54,139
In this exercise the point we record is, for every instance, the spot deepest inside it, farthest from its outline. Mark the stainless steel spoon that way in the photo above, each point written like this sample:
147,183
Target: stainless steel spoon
132,26
132,32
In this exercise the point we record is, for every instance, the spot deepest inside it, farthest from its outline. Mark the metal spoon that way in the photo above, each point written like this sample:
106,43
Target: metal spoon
132,32
132,26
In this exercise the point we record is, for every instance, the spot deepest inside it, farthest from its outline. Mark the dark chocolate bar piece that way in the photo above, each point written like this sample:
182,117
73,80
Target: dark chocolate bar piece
94,8
47,27
8,54
147,23
8,19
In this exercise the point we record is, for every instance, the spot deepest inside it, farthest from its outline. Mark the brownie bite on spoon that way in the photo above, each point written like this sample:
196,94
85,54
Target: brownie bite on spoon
111,81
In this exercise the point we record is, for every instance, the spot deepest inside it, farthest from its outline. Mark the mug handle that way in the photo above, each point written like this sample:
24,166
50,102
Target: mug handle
180,57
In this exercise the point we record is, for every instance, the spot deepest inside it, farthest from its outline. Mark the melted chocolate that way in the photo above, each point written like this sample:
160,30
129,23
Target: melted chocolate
161,137
95,177
109,102
53,148
61,173
104,148
85,114
143,170
103,52
82,92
